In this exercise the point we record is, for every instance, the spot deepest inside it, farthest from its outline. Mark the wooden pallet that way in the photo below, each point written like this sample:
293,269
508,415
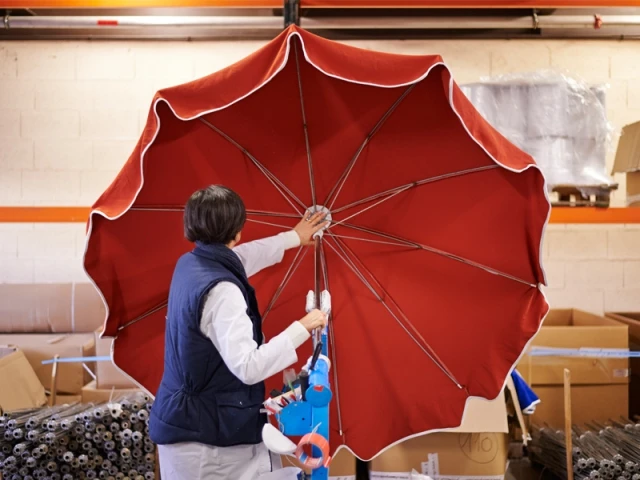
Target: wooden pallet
582,196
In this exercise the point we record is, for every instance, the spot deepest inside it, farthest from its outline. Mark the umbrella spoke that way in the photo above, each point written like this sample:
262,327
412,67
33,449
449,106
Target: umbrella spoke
404,323
370,240
156,208
155,309
281,187
271,224
295,263
306,129
437,251
332,342
262,213
402,188
337,188
169,208
382,200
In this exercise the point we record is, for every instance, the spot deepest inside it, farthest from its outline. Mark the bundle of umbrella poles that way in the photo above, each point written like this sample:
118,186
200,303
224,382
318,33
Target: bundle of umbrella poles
607,452
109,441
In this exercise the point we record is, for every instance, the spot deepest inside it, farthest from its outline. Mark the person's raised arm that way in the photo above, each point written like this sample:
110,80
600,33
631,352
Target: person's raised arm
263,253
226,323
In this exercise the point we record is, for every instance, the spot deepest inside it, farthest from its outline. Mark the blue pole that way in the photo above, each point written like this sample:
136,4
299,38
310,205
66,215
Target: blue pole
319,396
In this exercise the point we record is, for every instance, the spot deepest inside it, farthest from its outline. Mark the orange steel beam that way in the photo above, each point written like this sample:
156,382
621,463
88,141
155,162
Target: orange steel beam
44,214
317,3
80,215
594,215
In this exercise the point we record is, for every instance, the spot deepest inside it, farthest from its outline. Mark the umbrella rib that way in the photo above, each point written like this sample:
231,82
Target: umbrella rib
334,361
306,129
281,187
279,225
442,253
382,200
424,181
144,315
272,214
295,263
382,242
337,188
263,213
420,341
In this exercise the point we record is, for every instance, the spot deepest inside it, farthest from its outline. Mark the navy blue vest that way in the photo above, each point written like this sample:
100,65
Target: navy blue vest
199,399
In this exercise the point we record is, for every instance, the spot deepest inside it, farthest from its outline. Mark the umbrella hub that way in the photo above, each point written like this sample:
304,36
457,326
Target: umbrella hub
326,211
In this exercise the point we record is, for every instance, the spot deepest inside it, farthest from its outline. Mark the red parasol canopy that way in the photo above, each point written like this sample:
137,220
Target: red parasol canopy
433,259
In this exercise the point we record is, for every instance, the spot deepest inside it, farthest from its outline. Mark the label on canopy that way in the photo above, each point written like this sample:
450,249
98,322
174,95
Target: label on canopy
432,466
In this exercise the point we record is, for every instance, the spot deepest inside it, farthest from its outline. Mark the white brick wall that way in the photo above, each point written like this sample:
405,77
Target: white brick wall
600,273
70,114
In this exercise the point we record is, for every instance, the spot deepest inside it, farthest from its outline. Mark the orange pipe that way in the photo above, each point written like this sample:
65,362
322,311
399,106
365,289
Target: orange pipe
80,215
318,3
594,215
44,214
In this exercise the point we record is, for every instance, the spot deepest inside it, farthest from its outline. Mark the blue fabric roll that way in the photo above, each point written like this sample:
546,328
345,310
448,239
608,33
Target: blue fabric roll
526,396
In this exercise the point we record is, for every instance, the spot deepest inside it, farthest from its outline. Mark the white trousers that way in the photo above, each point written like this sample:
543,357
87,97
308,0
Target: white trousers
196,461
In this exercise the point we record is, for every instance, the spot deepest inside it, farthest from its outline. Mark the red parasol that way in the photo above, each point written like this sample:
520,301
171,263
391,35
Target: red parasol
433,259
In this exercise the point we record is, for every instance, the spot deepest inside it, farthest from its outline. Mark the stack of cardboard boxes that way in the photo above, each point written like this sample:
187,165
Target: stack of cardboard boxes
627,161
475,450
632,321
599,384
38,322
108,377
26,390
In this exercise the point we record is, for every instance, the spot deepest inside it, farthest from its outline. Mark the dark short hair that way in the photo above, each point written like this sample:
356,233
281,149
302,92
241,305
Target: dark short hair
215,214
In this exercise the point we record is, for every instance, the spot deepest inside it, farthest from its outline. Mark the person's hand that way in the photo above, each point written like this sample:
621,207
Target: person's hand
314,319
310,225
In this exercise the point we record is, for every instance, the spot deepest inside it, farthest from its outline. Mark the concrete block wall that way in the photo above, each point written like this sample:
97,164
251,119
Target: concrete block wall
71,112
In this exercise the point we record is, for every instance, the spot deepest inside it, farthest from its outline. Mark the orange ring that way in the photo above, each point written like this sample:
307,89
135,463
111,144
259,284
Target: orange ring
318,441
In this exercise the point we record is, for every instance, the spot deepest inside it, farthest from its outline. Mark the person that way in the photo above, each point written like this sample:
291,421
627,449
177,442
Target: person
206,418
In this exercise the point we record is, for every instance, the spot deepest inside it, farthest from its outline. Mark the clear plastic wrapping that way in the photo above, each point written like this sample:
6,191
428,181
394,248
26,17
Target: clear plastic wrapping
558,120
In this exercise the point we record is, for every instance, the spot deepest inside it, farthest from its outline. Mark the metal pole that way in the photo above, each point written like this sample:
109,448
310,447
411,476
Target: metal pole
317,266
473,23
338,23
221,22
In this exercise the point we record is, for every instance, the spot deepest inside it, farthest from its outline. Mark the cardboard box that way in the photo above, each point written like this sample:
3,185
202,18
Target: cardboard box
65,399
632,320
577,329
20,385
38,347
476,449
107,374
627,161
589,403
599,386
50,308
92,394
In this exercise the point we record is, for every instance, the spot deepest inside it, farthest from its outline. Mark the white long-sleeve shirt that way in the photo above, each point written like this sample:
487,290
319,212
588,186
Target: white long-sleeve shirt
226,323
